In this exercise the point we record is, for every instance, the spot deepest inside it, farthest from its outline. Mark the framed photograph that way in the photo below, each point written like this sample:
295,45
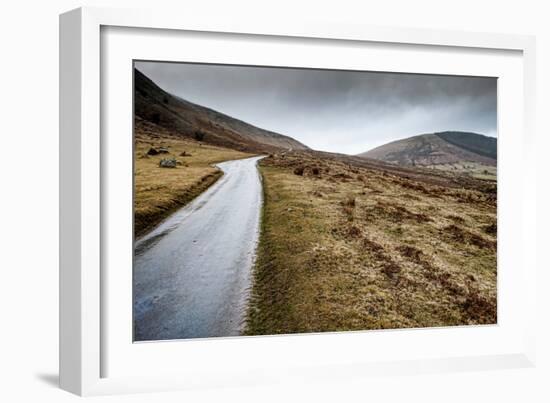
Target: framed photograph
248,202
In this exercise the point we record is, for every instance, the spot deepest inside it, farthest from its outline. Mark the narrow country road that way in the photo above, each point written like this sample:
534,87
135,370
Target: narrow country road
192,273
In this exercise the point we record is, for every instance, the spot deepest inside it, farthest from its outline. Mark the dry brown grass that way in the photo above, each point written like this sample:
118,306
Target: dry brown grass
350,247
160,191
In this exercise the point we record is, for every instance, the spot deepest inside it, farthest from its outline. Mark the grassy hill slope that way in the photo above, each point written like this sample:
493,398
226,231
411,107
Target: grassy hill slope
188,120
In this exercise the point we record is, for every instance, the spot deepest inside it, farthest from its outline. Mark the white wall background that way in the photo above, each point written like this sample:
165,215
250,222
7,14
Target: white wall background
29,187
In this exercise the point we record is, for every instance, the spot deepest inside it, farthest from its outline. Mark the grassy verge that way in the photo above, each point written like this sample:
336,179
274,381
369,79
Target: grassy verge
350,248
161,191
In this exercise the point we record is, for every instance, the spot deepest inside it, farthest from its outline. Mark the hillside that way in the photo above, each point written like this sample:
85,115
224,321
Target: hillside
188,120
437,149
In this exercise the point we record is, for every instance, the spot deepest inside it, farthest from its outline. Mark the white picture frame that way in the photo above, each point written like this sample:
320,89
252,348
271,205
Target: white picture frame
86,345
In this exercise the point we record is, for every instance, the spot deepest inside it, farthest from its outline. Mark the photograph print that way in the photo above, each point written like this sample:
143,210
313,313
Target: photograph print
273,200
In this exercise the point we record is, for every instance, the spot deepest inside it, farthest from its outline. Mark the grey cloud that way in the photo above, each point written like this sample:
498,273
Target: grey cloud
341,111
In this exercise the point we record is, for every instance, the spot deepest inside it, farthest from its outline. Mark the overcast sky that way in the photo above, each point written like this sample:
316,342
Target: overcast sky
339,111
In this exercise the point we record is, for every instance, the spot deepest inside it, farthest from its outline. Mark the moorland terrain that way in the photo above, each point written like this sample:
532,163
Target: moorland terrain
346,242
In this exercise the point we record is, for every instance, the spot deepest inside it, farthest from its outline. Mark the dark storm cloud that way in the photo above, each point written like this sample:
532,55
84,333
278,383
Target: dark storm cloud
339,111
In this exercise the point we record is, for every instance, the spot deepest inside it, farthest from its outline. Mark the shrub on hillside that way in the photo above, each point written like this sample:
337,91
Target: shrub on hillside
299,171
199,135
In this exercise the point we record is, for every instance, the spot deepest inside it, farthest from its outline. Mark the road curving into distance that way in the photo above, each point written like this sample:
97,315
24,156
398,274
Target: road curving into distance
192,273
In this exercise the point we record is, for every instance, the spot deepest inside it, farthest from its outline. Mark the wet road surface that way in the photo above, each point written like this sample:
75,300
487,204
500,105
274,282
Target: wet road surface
192,273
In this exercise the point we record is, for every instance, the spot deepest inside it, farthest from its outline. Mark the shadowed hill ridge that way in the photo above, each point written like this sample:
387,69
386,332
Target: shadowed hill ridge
476,143
186,119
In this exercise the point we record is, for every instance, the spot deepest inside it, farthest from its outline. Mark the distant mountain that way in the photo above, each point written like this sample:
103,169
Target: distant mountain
186,119
445,148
